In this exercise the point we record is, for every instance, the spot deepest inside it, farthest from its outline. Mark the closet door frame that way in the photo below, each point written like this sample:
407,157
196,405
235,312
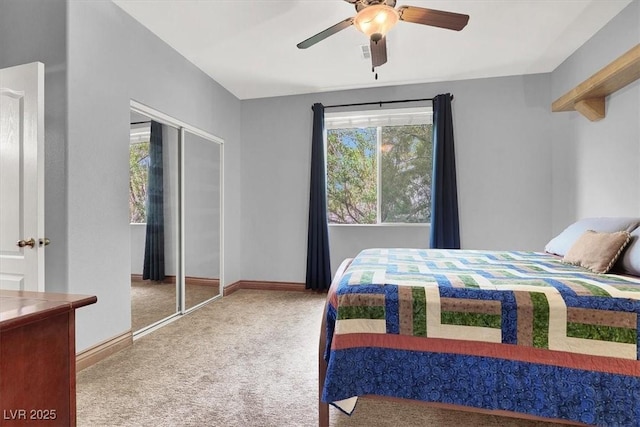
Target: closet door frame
183,309
179,224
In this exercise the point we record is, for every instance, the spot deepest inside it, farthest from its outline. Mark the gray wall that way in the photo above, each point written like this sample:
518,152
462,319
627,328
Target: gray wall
596,168
33,30
523,172
502,135
112,59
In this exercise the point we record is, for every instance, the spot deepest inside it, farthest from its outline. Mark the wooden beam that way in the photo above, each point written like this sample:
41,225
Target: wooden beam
616,75
592,108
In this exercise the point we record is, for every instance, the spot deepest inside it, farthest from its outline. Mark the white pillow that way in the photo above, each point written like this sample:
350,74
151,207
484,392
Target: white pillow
629,261
560,244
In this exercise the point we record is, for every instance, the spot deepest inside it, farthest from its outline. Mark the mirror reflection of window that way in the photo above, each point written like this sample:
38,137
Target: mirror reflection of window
138,172
153,207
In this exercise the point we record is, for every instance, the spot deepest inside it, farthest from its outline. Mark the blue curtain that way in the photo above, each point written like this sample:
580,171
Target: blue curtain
445,232
318,265
154,244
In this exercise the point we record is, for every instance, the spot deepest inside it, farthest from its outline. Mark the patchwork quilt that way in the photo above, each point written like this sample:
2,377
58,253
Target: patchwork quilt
515,331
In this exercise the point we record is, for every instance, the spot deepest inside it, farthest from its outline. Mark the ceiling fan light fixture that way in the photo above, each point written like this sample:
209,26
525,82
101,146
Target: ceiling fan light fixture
376,21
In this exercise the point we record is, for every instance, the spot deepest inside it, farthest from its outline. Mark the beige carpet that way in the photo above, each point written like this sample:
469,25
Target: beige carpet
153,301
249,359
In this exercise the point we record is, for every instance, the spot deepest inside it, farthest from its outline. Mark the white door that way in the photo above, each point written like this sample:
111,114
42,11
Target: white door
22,238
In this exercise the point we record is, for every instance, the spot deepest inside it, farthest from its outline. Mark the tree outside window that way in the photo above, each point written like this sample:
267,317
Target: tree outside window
138,179
380,172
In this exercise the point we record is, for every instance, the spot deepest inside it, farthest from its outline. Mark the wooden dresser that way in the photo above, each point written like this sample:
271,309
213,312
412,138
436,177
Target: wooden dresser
38,358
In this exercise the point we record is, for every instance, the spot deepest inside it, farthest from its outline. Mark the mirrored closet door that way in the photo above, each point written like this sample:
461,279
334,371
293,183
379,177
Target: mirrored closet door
175,201
201,217
153,212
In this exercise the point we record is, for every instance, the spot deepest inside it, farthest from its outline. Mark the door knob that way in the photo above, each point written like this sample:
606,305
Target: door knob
44,241
31,243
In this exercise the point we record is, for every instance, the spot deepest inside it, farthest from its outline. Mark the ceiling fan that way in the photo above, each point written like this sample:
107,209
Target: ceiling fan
376,17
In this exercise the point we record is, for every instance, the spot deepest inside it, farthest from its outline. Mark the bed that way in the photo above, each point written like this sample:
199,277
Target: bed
508,332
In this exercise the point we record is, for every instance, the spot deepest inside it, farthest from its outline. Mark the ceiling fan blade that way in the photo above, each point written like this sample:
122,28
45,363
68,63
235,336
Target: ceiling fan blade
326,33
433,17
378,52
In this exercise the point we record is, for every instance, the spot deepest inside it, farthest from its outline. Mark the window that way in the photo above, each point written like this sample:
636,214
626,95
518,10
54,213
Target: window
138,173
379,166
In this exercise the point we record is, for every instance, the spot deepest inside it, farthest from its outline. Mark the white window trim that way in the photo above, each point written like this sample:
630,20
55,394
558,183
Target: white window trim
378,119
140,133
384,224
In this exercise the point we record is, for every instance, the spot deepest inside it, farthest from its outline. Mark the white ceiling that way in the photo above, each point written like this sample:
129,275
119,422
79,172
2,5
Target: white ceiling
249,46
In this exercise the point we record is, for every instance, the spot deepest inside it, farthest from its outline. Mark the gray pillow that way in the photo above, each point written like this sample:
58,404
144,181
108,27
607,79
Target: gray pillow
560,244
629,262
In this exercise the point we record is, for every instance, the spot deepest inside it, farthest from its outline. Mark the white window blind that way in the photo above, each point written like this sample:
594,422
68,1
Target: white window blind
376,118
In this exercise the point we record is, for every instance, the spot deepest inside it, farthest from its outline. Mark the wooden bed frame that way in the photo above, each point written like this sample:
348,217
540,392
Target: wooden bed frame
323,408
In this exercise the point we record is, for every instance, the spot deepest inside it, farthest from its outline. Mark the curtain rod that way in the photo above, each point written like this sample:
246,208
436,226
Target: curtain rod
139,123
380,102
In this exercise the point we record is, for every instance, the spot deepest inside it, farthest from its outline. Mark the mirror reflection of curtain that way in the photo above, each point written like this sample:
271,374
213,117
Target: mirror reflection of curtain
154,242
